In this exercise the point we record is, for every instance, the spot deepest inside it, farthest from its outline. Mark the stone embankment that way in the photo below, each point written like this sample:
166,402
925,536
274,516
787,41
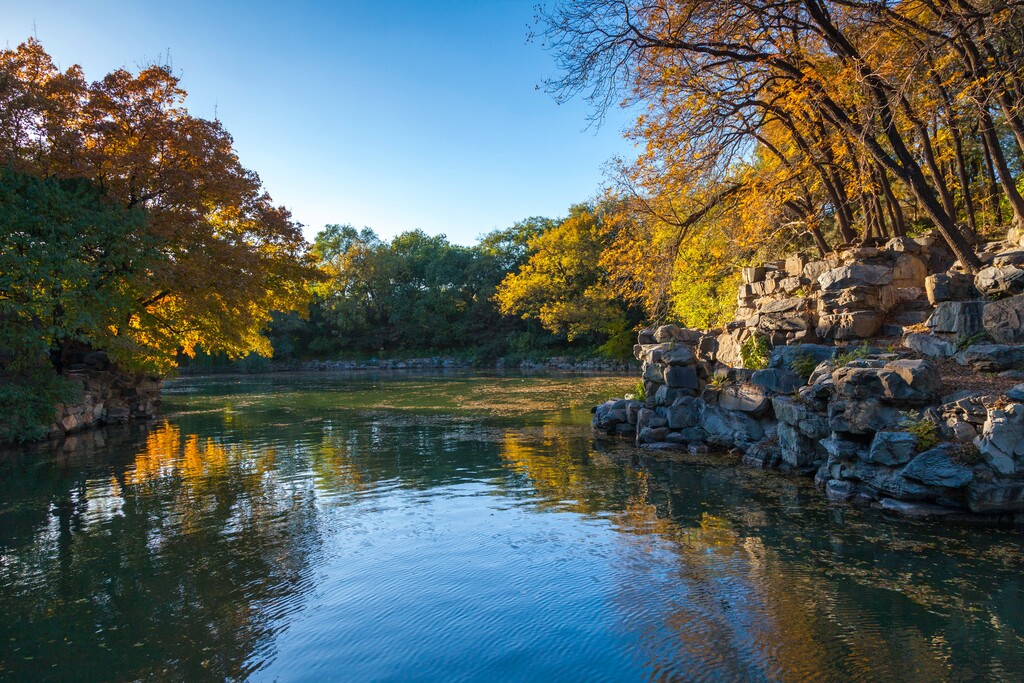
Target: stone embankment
911,424
106,395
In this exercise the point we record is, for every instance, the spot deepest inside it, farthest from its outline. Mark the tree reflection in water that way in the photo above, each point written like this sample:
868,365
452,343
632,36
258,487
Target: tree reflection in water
203,548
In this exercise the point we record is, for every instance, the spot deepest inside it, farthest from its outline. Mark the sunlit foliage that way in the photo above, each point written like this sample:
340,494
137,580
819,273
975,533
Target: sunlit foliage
225,256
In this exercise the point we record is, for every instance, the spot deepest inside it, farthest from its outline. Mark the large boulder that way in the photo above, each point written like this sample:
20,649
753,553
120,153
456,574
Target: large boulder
939,466
911,381
670,353
670,333
907,381
798,414
1002,439
888,481
992,357
685,413
996,496
957,317
854,275
745,397
909,271
797,449
730,427
778,380
1004,320
950,286
1000,279
861,415
783,356
859,298
892,448
681,377
854,325
929,345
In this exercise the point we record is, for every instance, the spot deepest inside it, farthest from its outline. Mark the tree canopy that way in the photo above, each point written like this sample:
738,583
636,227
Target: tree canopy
226,256
800,125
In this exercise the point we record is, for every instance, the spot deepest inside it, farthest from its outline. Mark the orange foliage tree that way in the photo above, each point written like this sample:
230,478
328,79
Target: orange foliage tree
228,255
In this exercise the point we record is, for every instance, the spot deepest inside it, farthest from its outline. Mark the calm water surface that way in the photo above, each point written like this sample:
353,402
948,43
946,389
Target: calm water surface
452,527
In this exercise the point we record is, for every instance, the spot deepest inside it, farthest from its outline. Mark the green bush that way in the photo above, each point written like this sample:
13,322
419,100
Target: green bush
755,352
27,404
804,364
926,431
639,391
859,353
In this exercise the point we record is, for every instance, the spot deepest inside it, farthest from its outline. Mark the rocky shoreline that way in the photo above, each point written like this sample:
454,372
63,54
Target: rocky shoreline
893,385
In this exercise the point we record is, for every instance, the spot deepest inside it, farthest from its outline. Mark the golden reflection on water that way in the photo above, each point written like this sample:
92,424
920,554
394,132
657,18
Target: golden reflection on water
792,618
743,602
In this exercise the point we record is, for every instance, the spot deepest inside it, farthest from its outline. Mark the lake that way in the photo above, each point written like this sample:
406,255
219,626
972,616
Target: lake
466,527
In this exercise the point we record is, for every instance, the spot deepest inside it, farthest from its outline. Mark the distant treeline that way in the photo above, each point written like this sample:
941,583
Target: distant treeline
418,294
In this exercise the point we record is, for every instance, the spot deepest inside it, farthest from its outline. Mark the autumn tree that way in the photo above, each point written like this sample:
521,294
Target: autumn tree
855,119
227,255
563,284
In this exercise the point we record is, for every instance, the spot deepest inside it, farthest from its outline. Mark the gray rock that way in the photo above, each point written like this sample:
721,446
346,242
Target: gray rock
747,398
1005,279
939,467
860,298
668,353
996,496
810,423
909,271
1002,439
670,333
815,269
685,412
855,325
796,449
861,416
1016,393
915,509
888,481
839,491
912,381
665,395
1004,320
892,448
957,317
795,264
752,274
951,286
853,275
992,357
651,435
839,448
730,427
783,356
786,321
682,377
763,455
929,345
778,380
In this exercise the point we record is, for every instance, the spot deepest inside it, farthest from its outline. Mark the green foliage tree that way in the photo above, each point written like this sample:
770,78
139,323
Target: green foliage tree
72,267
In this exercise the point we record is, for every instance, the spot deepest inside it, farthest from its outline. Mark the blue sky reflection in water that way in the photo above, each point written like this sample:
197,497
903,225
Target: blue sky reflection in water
424,528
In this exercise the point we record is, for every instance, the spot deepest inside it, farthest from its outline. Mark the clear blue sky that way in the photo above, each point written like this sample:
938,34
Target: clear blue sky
395,115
